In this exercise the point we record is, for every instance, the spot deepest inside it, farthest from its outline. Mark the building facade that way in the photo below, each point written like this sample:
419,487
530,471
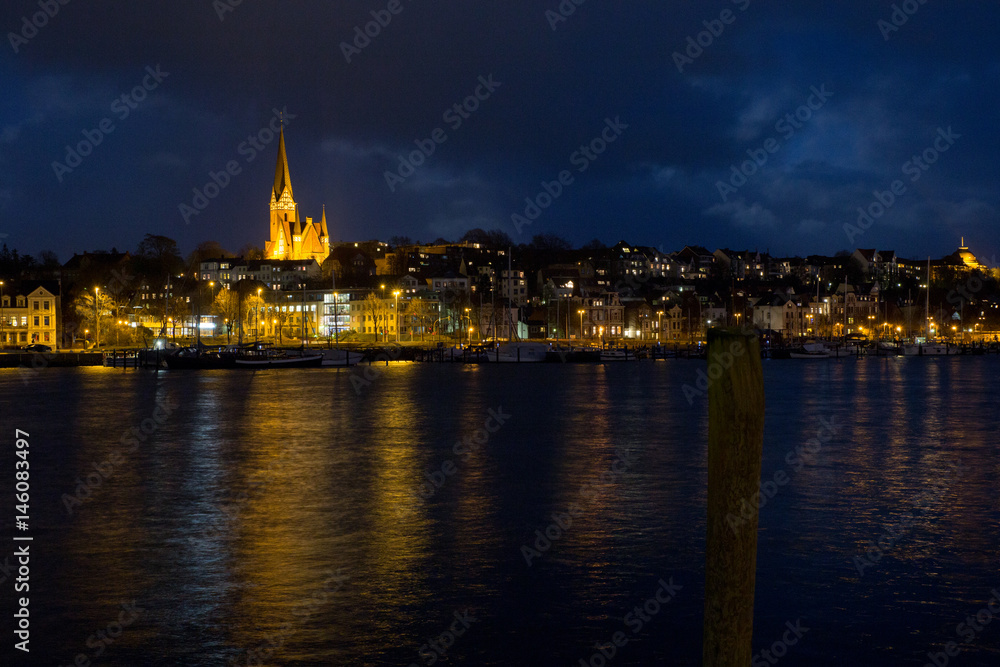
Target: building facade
30,316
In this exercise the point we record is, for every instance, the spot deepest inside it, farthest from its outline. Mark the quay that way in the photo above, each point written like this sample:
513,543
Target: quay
370,354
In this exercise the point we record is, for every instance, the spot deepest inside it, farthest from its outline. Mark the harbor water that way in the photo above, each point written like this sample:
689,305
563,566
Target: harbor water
533,514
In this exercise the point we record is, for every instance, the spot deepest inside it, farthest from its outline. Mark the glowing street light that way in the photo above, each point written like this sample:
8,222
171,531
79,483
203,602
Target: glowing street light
396,314
581,324
97,318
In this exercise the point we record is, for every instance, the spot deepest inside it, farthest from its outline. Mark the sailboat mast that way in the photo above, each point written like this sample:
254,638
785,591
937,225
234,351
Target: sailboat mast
927,303
845,307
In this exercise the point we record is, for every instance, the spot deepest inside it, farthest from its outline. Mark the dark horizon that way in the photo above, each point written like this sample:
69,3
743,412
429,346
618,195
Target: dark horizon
833,103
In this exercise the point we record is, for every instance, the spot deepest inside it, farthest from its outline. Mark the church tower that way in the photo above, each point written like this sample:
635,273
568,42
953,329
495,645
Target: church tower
290,237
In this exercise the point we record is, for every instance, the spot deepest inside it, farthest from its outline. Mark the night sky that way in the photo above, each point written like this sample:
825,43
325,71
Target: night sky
888,92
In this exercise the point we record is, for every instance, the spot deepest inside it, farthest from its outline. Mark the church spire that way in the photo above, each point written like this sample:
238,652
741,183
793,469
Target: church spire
282,179
324,230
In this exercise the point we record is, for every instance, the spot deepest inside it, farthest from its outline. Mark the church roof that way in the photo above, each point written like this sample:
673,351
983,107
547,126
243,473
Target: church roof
282,179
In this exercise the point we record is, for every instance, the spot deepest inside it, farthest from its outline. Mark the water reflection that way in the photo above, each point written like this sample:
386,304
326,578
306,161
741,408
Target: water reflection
229,521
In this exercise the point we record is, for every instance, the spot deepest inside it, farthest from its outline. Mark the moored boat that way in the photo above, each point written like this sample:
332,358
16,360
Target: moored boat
803,353
931,349
618,354
524,353
261,355
194,358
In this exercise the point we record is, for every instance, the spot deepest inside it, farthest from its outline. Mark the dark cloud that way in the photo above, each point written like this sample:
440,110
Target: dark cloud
656,184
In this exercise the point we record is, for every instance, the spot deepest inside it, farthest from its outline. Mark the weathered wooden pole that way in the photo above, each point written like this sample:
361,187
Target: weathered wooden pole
735,446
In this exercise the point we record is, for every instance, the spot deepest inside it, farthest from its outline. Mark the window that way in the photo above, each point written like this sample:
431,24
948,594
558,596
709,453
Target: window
36,320
34,305
46,322
45,304
46,336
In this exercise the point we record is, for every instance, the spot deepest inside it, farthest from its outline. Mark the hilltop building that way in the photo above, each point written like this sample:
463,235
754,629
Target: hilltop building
291,238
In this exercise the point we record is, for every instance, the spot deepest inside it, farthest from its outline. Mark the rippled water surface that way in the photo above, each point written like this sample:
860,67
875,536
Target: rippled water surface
274,517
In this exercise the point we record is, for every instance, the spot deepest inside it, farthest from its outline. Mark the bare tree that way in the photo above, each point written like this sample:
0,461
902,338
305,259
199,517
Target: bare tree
376,309
227,306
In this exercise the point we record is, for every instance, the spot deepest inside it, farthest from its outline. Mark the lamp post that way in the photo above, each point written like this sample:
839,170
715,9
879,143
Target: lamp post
396,314
659,325
97,318
3,336
385,327
256,318
580,312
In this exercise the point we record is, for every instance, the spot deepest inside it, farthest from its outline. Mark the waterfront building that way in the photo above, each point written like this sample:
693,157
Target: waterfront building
30,314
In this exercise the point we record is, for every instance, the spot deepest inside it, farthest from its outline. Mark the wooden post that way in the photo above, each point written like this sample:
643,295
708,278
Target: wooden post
735,446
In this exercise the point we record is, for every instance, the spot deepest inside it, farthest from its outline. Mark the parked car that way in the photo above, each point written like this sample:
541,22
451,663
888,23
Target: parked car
37,347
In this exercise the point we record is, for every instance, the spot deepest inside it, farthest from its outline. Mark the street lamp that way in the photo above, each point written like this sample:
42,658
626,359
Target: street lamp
97,319
396,314
256,319
385,334
3,339
581,323
659,324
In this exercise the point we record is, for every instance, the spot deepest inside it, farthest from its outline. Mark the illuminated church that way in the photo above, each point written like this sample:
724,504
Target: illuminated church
291,238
